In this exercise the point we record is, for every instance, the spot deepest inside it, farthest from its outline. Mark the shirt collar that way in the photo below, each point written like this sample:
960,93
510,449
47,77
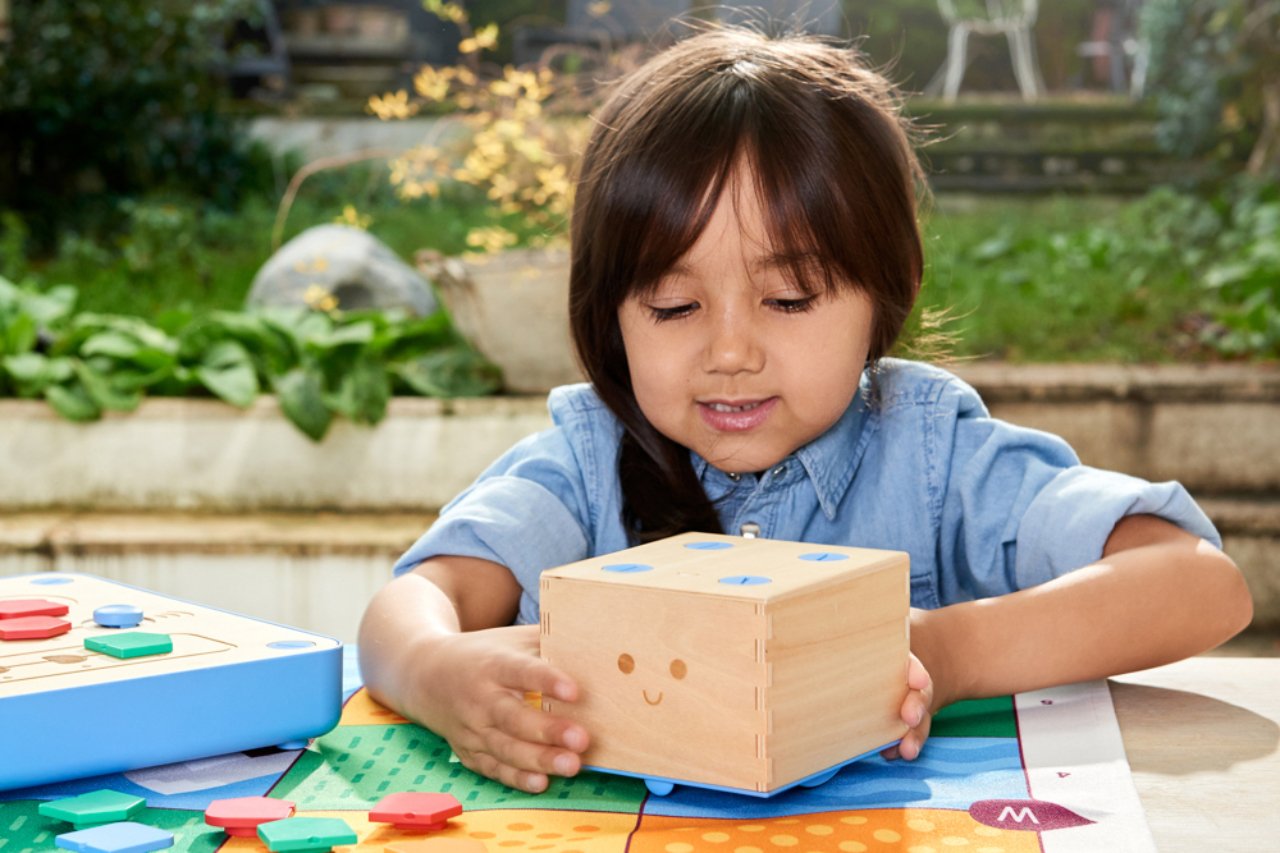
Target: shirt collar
831,459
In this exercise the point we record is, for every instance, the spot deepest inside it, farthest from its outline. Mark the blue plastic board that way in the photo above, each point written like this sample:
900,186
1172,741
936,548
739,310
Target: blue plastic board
231,683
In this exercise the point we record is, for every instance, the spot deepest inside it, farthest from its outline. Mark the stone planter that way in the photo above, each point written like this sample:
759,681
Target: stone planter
513,307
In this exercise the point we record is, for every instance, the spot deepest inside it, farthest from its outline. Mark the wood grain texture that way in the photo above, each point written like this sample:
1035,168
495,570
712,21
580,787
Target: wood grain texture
746,685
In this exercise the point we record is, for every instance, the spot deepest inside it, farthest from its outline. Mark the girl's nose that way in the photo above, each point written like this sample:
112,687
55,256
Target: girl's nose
734,346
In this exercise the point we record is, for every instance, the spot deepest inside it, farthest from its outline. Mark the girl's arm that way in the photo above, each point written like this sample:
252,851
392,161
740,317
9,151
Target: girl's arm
1159,594
437,646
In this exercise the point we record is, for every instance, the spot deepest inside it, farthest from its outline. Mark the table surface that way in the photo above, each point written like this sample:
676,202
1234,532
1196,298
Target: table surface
1203,741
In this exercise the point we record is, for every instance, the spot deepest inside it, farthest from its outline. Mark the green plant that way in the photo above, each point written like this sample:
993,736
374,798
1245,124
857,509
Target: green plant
318,364
1172,274
13,245
106,99
1215,72
514,137
1245,271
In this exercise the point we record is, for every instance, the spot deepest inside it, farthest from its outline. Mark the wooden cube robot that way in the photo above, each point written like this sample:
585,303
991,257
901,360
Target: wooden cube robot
748,665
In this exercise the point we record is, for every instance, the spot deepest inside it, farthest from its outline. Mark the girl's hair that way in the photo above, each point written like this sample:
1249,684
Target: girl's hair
836,173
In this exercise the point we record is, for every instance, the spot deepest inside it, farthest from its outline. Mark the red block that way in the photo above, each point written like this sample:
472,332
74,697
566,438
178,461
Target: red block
32,628
15,608
408,810
240,816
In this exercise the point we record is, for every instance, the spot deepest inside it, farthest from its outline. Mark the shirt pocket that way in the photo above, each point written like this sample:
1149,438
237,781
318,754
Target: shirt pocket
924,589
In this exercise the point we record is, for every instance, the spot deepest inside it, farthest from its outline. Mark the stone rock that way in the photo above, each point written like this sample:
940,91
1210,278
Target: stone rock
336,266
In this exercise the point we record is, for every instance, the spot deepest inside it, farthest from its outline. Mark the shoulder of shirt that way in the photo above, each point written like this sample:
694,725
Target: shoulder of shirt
579,407
900,383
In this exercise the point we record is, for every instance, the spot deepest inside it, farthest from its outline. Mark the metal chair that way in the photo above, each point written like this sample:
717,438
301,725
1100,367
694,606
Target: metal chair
1013,18
1120,45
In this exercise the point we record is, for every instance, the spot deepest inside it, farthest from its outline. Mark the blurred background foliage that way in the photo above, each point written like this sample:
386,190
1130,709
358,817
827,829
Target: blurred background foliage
126,172
102,101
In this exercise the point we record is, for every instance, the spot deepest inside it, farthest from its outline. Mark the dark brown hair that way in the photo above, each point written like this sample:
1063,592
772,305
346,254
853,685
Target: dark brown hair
836,173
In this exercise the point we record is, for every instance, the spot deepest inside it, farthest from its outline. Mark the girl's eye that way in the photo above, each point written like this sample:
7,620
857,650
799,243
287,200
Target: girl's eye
672,313
793,306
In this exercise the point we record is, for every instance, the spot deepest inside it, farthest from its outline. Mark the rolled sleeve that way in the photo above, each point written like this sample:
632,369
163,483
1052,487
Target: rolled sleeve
527,512
1019,508
1068,523
511,521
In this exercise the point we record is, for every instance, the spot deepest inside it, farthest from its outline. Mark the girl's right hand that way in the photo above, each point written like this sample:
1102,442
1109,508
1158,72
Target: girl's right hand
473,695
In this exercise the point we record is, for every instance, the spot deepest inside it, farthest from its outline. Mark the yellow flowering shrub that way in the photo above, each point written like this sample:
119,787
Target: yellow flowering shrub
514,134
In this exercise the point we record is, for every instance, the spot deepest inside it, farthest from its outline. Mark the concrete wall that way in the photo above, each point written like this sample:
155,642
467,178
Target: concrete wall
237,509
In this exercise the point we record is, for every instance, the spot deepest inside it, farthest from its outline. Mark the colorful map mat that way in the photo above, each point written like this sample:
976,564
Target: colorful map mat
1042,771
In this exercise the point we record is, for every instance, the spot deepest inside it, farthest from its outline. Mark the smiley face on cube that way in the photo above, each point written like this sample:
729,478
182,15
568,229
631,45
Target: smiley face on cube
722,662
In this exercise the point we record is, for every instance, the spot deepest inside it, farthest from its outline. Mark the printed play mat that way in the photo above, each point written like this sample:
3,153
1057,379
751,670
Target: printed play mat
1042,771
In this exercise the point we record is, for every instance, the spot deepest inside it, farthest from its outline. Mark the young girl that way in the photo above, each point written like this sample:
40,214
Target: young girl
745,252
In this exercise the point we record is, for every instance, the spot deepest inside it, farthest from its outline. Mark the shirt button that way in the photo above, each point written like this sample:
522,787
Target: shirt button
779,471
734,477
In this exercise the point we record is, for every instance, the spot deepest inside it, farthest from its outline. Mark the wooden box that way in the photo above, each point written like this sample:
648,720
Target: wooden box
744,664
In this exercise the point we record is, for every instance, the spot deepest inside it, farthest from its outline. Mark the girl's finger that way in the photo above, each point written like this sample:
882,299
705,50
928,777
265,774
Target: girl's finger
534,675
523,722
917,676
531,757
513,777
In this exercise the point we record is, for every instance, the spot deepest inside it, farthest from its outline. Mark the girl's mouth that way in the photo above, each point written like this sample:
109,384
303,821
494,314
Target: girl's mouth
735,415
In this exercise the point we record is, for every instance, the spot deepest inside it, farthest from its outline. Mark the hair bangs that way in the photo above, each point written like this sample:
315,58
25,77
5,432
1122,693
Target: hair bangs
659,198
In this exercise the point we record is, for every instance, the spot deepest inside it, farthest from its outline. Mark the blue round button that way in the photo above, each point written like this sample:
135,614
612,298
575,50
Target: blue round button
118,616
745,580
824,557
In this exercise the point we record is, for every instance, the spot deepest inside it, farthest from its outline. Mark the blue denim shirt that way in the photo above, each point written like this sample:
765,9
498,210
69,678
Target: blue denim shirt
915,464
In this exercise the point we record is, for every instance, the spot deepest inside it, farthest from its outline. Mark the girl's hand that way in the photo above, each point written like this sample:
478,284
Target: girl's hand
915,712
473,695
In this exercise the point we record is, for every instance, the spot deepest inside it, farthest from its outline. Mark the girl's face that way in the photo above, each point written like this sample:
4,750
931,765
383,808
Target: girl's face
729,358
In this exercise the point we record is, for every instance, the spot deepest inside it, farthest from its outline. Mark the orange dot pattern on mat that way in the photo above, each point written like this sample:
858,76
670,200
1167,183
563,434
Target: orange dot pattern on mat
866,831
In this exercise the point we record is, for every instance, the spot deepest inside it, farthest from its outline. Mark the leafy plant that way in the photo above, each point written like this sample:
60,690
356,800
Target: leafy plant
1172,273
1215,72
514,134
319,365
1245,272
104,99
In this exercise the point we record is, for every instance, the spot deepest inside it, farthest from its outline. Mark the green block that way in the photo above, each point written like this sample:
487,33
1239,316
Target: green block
92,809
299,834
131,644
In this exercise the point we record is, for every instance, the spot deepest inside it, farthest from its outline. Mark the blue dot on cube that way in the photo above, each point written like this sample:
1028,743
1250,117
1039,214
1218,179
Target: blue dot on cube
824,557
709,546
745,580
628,568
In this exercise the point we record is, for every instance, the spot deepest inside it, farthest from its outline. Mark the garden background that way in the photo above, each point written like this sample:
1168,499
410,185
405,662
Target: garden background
1107,253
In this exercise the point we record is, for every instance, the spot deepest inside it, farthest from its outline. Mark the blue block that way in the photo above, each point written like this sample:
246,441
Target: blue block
123,837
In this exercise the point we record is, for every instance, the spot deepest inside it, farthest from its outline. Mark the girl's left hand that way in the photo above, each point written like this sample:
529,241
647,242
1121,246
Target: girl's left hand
915,712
